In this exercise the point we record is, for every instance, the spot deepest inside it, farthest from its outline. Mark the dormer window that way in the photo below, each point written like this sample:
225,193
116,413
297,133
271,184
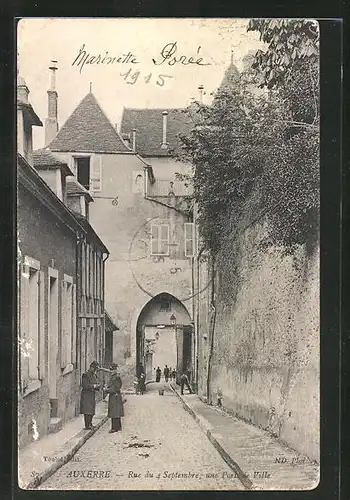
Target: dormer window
82,168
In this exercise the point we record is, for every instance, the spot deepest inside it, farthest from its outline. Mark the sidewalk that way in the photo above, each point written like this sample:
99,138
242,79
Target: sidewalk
252,452
39,460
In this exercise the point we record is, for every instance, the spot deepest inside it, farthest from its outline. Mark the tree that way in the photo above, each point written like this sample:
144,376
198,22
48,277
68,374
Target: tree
250,145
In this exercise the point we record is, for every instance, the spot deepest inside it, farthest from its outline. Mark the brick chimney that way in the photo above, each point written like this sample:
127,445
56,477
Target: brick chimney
51,122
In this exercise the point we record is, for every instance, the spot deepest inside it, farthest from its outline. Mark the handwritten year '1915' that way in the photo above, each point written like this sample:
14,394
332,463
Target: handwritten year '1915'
132,77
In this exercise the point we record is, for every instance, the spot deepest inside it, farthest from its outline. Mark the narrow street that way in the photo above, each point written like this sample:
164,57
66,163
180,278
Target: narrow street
160,448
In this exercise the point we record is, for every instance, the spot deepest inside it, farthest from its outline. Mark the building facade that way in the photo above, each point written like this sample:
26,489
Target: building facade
47,234
142,213
60,286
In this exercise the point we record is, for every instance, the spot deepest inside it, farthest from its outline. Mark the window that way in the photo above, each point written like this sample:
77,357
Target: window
33,323
189,239
160,239
82,165
138,182
68,305
32,310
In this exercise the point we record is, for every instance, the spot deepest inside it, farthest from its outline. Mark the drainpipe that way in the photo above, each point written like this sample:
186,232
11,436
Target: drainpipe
211,331
103,307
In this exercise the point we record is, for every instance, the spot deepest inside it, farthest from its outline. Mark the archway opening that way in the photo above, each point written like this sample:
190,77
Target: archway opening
164,336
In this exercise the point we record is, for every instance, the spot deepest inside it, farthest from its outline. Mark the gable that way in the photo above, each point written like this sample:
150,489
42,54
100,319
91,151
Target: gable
88,130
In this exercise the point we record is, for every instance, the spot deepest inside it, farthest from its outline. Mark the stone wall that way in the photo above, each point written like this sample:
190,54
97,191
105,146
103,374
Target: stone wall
266,340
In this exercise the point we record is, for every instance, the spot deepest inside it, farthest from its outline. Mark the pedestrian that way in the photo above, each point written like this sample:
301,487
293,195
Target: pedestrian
141,384
90,385
115,400
173,374
166,373
185,382
158,374
139,370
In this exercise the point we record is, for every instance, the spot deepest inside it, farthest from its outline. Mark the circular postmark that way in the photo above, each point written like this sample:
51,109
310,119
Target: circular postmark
140,249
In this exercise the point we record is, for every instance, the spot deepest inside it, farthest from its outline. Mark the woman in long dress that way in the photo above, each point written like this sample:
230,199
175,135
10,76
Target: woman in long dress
115,400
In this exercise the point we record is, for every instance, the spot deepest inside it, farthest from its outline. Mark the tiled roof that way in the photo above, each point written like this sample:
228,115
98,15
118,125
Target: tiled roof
29,113
74,187
110,326
45,159
149,129
88,129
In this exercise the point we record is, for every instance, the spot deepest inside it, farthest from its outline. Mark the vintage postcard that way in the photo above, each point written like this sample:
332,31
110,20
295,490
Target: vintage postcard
168,254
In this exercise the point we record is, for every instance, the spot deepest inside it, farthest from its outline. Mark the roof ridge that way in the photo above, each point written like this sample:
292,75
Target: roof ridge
108,120
88,128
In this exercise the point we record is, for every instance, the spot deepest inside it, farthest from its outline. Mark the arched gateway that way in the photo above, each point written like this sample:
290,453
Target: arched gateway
164,335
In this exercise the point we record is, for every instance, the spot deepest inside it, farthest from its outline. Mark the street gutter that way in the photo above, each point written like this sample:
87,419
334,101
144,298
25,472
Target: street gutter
204,425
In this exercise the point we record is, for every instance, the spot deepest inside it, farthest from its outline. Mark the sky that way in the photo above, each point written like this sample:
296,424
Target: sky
40,40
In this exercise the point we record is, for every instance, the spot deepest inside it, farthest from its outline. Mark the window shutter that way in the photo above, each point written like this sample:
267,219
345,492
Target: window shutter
33,311
74,325
154,240
63,326
24,357
72,164
41,325
96,173
164,239
189,239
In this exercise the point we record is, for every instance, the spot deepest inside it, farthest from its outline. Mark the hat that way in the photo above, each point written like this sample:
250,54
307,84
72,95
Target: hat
94,364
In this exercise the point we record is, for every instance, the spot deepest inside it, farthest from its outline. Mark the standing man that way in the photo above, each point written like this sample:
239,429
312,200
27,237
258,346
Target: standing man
185,382
139,370
166,373
158,374
89,385
115,400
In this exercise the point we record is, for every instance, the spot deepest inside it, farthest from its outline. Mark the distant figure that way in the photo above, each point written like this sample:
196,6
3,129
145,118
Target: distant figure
173,374
158,374
141,387
166,373
89,384
185,382
139,370
115,400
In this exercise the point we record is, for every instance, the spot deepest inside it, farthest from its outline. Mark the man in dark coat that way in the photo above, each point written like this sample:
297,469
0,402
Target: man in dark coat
115,400
89,385
158,374
166,373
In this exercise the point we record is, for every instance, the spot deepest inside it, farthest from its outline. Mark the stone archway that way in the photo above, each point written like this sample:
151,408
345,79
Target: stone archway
164,335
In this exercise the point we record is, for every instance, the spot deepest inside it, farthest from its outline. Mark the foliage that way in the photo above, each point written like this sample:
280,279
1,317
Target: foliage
260,135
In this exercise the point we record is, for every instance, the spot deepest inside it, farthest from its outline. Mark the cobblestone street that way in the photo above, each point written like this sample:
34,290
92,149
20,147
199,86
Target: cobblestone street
160,448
